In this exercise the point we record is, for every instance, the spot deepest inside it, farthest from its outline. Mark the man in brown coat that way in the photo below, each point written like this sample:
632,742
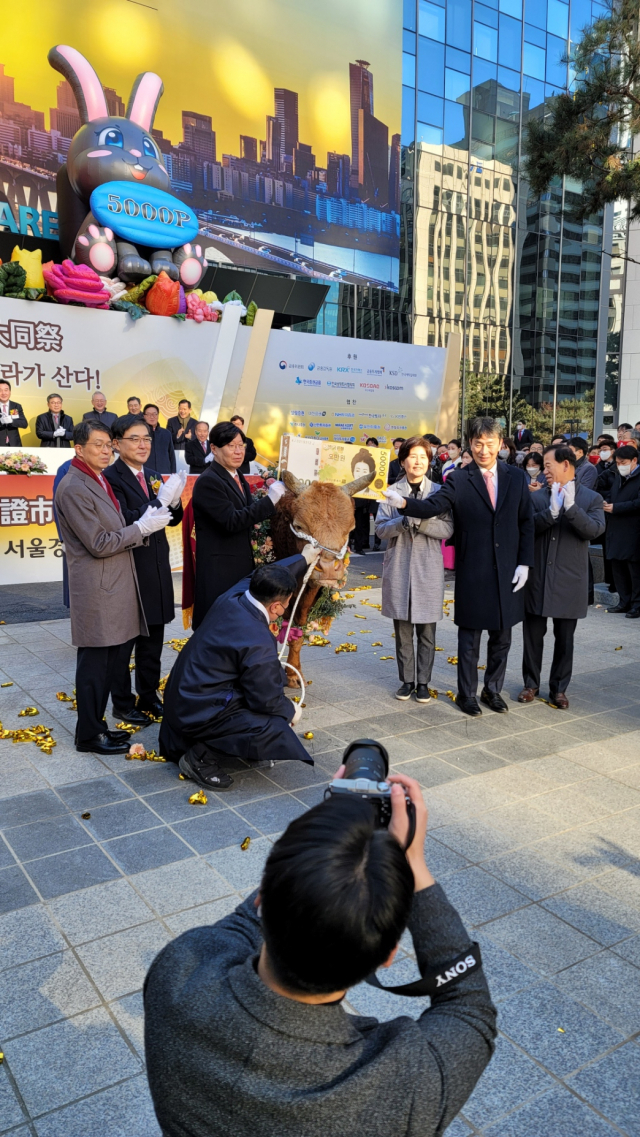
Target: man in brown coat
106,610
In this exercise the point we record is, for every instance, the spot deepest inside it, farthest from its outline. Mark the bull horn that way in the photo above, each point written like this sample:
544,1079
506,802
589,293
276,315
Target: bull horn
293,484
352,488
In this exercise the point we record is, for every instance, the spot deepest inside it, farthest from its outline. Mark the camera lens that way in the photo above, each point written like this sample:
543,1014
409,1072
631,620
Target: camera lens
366,758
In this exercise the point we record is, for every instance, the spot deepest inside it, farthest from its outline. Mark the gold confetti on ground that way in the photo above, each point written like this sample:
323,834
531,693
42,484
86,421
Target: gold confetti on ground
63,697
358,617
346,647
348,595
318,641
452,659
308,735
450,695
1,1054
198,798
386,657
561,1030
28,713
132,667
39,734
370,605
244,845
351,633
176,644
372,576
618,648
377,643
85,816
482,667
182,777
439,649
361,588
6,684
433,693
163,682
366,631
127,726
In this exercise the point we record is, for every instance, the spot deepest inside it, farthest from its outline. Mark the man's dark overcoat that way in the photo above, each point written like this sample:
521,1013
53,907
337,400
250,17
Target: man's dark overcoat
559,583
622,542
489,543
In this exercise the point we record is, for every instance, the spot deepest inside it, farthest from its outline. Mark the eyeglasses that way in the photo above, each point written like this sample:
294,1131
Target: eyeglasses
137,438
99,445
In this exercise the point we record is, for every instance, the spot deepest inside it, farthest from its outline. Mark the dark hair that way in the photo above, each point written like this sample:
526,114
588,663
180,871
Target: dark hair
363,455
181,401
394,440
82,431
272,582
55,395
409,443
596,446
122,424
201,422
455,442
559,440
624,426
579,443
237,418
534,457
562,453
336,895
511,447
371,442
6,382
467,451
606,438
131,399
484,425
626,452
150,407
224,432
433,439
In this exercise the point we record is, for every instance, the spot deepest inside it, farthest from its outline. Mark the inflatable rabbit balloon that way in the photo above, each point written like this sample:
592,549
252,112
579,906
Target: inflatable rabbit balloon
115,211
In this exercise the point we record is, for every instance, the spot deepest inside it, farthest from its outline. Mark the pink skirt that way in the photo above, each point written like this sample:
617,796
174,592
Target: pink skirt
448,556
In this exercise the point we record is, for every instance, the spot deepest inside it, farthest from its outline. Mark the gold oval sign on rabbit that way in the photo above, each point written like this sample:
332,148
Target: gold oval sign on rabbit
144,214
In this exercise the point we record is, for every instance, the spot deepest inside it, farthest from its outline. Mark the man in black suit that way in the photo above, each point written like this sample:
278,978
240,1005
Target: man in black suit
137,486
493,537
100,412
622,541
225,513
54,428
12,419
250,452
586,472
197,451
163,456
182,426
522,437
225,696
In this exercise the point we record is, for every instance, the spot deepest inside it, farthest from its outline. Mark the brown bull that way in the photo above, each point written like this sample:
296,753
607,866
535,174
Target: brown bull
323,511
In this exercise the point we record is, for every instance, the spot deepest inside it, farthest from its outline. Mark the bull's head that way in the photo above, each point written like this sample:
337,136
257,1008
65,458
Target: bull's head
325,511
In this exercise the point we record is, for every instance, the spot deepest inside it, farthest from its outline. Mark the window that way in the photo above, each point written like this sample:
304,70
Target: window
431,21
430,109
456,86
510,42
485,15
556,69
409,17
408,69
459,60
558,18
456,126
485,42
459,23
512,8
430,134
535,12
430,66
408,115
409,42
533,61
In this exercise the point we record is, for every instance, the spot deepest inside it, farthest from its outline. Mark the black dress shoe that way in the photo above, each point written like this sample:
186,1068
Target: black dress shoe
104,744
405,691
468,705
618,608
153,708
210,777
422,693
119,735
135,717
633,614
494,701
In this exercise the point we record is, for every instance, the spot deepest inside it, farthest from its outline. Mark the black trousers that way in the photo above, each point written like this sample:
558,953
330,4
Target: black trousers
406,655
240,734
148,650
626,577
468,653
534,630
95,669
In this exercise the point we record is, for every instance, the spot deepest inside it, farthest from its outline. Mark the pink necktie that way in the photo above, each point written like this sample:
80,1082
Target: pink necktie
490,484
140,477
204,447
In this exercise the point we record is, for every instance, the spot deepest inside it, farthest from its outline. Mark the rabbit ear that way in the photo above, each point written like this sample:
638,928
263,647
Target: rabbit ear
83,80
144,98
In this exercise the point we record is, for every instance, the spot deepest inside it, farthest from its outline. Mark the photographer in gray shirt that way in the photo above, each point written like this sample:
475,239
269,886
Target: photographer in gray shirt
245,1033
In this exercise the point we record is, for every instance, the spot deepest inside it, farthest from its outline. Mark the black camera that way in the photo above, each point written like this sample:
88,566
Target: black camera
367,766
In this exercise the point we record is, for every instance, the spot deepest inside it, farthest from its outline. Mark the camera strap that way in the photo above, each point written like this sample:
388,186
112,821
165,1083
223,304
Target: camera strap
436,979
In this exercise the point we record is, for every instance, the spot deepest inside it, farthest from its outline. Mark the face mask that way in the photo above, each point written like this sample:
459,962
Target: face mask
605,455
503,453
533,471
594,458
625,470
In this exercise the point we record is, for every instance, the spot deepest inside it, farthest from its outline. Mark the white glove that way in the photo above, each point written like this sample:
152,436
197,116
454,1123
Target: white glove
570,494
170,491
557,499
276,490
153,520
394,498
59,432
6,419
297,714
209,457
311,553
520,577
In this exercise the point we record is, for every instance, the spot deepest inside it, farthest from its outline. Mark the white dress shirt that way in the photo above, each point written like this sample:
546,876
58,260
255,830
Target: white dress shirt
258,605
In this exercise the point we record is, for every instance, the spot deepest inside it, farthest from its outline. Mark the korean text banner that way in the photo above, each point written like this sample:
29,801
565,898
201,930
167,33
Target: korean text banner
279,124
30,549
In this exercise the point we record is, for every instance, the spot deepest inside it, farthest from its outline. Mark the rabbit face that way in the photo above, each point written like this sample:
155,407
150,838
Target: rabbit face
114,149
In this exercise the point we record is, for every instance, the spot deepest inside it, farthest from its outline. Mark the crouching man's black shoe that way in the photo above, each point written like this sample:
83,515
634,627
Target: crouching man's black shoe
209,775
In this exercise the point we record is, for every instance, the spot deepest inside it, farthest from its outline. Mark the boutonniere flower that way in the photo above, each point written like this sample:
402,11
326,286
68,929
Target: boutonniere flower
155,485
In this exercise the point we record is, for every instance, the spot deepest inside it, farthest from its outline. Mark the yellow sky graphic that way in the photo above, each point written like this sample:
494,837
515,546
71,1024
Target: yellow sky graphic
219,59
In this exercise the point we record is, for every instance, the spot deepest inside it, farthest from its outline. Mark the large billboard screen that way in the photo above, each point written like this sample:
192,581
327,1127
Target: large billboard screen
279,123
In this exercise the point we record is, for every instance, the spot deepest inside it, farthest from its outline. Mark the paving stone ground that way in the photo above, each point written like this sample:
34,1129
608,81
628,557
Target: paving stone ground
534,832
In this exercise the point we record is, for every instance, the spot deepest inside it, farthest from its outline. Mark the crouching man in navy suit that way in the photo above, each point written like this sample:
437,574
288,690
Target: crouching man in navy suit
136,487
225,696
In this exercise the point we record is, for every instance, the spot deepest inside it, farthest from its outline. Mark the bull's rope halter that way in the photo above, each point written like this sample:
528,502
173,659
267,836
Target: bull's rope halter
316,544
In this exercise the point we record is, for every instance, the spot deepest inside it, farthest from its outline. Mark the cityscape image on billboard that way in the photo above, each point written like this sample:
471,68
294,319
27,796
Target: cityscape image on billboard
279,123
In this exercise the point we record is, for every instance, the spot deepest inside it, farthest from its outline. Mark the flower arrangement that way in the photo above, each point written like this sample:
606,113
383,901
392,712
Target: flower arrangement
17,462
261,541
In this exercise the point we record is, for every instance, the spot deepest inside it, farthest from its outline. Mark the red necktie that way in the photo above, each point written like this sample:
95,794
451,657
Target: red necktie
140,477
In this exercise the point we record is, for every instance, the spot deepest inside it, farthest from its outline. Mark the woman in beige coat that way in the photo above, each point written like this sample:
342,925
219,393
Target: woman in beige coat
413,572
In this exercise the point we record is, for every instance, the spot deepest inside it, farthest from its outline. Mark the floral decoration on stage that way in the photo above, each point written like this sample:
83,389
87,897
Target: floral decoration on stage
17,462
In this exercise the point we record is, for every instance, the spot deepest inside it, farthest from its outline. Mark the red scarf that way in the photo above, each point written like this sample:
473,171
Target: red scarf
80,465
